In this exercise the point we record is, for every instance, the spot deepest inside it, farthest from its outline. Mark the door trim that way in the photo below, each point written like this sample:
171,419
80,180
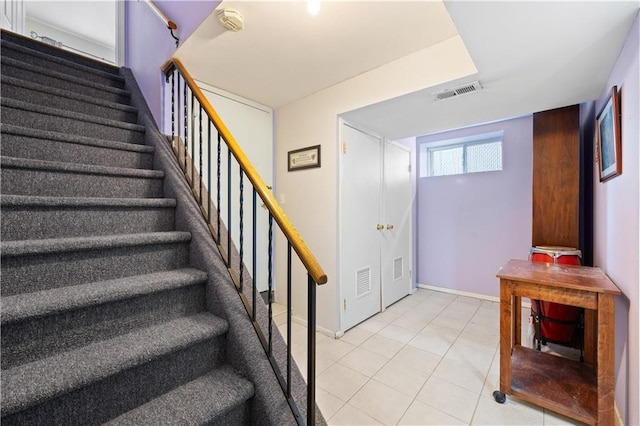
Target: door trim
409,152
342,122
119,56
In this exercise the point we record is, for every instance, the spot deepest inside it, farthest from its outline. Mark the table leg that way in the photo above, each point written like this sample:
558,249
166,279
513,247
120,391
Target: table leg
517,317
590,335
605,359
506,335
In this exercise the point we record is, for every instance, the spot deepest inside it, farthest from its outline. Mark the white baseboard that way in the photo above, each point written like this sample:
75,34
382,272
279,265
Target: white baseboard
525,302
459,292
319,329
617,417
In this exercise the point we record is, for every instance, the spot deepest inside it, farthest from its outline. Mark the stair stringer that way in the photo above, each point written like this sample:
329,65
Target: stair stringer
244,350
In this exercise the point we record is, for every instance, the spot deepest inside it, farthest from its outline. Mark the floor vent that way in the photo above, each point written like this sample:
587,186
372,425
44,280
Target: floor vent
465,89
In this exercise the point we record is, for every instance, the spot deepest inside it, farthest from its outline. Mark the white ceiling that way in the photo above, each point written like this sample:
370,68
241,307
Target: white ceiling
284,53
94,20
530,55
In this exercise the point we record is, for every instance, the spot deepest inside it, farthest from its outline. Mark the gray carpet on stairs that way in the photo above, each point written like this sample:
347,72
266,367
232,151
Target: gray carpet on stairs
45,76
24,142
66,100
116,305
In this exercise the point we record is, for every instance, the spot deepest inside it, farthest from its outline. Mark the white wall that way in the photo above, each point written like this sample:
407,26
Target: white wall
70,40
617,227
311,199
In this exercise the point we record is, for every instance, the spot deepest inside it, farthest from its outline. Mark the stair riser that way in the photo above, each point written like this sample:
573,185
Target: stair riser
25,274
47,80
19,146
66,104
50,50
31,340
240,415
99,402
18,181
28,222
73,126
63,68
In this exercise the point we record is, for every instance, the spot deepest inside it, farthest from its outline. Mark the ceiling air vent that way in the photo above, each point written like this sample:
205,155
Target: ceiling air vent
466,88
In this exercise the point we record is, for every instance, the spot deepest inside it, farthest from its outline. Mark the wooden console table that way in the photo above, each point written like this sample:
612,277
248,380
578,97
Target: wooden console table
571,388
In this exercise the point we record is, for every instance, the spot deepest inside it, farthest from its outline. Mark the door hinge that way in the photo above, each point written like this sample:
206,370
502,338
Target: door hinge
344,147
344,304
410,273
409,168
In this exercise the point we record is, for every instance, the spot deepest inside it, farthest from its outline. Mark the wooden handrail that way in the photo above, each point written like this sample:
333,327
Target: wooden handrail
297,243
168,22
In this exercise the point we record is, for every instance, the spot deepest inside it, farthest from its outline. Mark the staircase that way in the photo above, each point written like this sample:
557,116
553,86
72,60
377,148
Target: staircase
104,316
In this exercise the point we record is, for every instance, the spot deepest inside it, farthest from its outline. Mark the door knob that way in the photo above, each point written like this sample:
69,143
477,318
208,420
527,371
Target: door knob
379,227
389,227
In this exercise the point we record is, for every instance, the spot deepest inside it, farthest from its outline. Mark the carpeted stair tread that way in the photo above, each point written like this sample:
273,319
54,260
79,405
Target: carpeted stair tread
72,96
29,384
26,217
62,76
74,244
13,103
54,166
46,48
61,64
8,200
75,139
201,401
31,305
58,120
10,49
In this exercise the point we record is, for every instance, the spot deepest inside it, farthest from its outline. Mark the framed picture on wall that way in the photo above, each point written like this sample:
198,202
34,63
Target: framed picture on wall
609,138
304,158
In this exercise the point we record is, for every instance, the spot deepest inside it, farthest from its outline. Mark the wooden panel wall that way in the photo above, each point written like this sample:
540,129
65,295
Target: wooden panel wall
556,177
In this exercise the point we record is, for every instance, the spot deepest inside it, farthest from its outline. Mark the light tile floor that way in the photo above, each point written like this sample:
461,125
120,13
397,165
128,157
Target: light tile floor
430,359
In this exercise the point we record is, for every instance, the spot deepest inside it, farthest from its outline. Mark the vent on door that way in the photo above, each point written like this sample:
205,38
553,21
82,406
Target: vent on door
398,267
363,281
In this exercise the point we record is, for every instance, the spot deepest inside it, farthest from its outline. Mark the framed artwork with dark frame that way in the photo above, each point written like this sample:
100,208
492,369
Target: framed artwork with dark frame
304,158
609,138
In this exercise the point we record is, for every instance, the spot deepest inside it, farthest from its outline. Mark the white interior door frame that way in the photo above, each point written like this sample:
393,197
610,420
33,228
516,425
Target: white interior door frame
12,15
397,212
252,126
120,33
374,267
394,242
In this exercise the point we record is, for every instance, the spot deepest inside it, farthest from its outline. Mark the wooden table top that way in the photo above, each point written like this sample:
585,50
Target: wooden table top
584,278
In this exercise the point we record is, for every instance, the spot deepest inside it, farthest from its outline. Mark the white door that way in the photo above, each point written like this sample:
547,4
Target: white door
360,207
396,246
251,125
12,15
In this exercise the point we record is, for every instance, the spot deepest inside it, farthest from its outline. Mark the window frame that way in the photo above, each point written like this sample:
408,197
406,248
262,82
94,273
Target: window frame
427,148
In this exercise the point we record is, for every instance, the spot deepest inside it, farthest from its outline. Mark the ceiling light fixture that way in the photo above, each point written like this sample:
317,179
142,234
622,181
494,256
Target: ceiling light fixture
313,6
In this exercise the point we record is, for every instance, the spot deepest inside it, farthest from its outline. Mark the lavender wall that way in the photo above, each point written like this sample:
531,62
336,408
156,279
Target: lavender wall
616,227
469,225
148,43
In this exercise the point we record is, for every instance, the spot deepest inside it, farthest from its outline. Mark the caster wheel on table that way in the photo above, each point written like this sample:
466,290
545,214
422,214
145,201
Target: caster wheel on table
499,397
